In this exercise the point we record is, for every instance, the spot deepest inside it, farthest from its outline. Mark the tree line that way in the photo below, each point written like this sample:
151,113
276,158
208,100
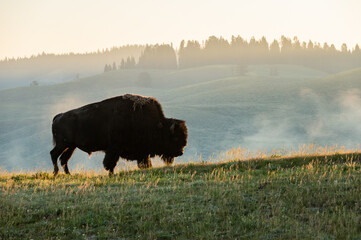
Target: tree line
217,50
192,53
82,63
159,56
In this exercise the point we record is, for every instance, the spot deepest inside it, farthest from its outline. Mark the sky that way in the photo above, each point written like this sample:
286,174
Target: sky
60,26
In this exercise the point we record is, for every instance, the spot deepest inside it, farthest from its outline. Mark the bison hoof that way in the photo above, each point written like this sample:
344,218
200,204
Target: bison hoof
168,160
145,165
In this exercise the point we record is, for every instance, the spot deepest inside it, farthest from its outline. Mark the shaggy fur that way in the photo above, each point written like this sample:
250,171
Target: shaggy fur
132,127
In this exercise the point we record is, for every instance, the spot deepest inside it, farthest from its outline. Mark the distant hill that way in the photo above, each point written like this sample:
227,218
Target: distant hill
263,107
348,79
50,68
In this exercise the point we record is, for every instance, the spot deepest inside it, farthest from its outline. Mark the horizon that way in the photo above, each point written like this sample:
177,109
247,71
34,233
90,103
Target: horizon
45,28
175,47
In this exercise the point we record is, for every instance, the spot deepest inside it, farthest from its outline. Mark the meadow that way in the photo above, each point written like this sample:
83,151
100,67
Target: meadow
297,196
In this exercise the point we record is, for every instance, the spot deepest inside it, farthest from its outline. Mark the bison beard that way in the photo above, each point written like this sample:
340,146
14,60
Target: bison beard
132,127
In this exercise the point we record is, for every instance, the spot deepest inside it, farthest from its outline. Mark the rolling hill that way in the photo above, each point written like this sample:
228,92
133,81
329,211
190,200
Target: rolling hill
223,109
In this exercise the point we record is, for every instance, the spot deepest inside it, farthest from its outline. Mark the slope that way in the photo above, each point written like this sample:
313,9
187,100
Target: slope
309,197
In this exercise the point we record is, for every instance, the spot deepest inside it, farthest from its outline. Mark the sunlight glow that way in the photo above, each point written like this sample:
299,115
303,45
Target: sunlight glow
31,27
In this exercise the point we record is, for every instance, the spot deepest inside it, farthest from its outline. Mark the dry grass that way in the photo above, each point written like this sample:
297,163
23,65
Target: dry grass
314,194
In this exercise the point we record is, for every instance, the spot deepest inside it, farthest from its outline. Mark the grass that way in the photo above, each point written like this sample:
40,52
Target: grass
293,197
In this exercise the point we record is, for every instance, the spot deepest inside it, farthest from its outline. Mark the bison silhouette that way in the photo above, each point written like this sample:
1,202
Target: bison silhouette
131,126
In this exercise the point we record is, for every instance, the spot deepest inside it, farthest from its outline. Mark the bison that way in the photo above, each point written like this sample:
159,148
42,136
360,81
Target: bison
131,126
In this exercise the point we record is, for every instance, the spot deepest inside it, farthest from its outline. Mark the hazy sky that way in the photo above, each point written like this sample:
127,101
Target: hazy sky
33,26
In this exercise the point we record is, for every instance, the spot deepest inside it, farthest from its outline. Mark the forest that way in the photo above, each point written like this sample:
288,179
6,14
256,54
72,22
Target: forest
239,51
192,53
286,51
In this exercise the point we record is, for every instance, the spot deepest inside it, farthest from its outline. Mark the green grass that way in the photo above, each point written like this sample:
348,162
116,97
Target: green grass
309,197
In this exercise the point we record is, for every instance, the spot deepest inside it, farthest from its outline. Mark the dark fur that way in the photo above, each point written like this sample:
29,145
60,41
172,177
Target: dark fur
130,126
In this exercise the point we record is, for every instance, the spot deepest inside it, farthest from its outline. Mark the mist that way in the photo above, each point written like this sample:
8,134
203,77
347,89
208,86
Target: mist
242,93
223,108
48,68
315,119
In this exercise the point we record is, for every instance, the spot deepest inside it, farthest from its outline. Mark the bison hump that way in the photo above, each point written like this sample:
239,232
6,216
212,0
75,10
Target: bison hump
138,100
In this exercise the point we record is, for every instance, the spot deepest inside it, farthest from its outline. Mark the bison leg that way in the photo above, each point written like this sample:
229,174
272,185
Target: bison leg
144,163
168,160
64,158
110,161
55,153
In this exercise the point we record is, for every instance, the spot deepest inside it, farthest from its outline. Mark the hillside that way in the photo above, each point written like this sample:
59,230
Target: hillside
223,109
340,81
299,197
51,68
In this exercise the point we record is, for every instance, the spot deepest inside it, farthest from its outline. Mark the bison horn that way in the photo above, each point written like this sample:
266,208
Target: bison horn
172,128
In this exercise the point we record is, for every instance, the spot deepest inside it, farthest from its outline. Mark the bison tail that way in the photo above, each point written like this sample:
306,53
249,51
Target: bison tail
58,115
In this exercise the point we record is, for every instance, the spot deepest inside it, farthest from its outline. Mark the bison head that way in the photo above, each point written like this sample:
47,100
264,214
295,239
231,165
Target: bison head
175,132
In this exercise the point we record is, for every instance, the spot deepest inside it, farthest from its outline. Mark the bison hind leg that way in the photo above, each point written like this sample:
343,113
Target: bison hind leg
64,158
144,163
55,153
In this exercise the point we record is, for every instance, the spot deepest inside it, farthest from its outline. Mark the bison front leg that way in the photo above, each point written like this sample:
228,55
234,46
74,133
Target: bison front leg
144,163
110,161
168,160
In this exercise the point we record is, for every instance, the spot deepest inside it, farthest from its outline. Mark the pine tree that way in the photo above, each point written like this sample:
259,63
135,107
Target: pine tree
275,51
122,64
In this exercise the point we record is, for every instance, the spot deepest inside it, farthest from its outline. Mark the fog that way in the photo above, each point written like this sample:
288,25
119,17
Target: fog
48,68
324,121
223,109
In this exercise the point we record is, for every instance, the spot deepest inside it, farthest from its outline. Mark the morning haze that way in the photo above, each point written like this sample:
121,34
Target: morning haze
253,94
258,75
253,124
31,27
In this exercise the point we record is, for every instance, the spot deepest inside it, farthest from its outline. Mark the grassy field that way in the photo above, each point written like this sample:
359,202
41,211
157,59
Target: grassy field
297,197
